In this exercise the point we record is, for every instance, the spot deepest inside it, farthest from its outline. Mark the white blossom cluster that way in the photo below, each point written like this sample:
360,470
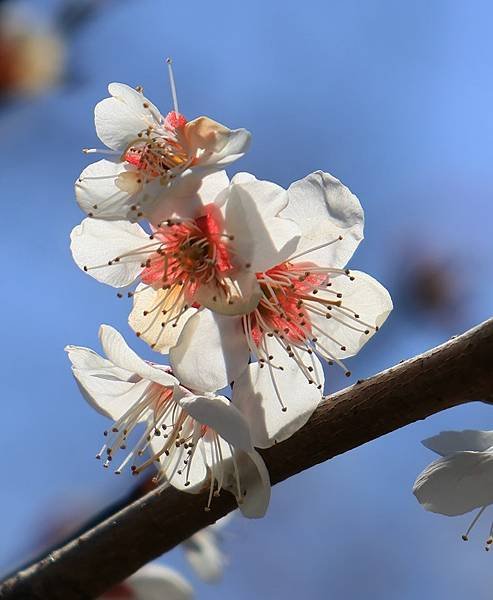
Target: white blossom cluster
241,282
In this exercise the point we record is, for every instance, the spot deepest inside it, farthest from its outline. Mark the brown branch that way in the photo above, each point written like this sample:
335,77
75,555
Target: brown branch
456,372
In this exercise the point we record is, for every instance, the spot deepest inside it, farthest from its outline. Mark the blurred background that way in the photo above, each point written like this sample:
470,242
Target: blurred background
394,98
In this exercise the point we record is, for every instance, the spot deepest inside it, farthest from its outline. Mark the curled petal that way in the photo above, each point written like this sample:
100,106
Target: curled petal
456,484
218,413
122,356
255,484
448,442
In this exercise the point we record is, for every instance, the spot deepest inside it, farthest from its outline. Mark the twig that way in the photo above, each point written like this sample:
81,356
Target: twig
456,372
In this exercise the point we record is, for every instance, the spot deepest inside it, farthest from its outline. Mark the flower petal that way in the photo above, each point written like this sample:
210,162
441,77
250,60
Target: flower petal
155,582
121,355
109,389
254,480
213,144
456,484
256,394
122,117
186,195
448,442
95,243
238,293
108,190
147,316
325,209
204,556
211,351
261,239
219,414
340,335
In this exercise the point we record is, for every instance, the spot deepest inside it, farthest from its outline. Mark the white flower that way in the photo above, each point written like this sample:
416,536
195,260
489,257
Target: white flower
460,481
203,552
310,306
198,438
204,253
155,158
151,582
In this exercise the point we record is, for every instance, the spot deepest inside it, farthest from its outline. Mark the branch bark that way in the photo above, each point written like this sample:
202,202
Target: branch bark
456,372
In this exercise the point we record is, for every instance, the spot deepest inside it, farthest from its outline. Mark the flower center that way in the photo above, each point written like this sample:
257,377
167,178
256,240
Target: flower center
295,297
158,151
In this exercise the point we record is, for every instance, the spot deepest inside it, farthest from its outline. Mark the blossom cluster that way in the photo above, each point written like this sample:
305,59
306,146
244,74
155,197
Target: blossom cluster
242,283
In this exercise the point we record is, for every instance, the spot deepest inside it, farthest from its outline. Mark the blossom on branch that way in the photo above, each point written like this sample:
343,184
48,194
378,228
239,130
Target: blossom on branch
310,306
199,439
462,479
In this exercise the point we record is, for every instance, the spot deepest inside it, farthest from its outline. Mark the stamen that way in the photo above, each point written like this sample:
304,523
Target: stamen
465,536
172,84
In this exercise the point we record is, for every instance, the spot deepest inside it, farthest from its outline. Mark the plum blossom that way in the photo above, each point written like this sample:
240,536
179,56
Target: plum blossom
462,479
311,306
151,158
203,254
203,551
151,582
199,439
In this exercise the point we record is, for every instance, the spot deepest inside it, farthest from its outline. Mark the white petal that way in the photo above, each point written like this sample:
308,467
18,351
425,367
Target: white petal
85,358
149,326
448,442
238,293
261,239
211,352
109,389
219,414
204,556
95,243
456,484
121,355
157,582
255,480
109,395
122,117
108,190
236,146
325,209
255,393
364,296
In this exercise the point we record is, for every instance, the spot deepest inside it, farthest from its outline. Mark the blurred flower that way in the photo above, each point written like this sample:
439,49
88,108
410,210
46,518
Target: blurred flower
203,254
151,582
462,479
203,552
310,305
196,437
32,56
156,158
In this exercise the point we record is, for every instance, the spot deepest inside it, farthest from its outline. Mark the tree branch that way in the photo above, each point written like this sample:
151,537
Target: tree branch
456,372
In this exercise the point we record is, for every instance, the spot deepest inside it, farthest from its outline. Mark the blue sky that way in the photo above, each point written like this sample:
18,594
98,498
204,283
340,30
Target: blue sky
393,98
